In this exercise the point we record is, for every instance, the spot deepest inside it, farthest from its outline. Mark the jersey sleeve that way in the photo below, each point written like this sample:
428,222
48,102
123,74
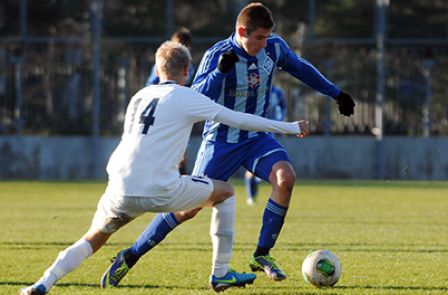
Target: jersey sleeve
305,71
209,79
255,123
199,107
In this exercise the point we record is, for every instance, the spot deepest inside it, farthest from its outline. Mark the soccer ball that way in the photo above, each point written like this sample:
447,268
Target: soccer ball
321,268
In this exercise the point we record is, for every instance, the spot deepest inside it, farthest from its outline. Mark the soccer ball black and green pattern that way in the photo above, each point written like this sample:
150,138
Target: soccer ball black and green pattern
321,268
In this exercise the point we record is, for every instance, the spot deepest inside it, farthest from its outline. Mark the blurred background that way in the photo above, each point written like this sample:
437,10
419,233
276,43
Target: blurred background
69,67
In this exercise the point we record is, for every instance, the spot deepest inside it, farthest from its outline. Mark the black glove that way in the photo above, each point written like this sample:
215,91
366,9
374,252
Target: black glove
345,103
227,61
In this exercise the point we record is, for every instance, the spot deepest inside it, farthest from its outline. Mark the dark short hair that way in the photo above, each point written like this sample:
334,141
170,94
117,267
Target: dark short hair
182,36
255,15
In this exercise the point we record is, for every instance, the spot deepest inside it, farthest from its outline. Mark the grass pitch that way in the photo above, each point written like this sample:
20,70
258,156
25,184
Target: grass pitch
391,238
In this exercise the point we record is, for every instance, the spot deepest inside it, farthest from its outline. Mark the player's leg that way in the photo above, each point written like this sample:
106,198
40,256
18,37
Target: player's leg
220,194
104,224
70,258
282,180
251,184
222,235
190,192
224,160
208,163
270,162
66,261
163,223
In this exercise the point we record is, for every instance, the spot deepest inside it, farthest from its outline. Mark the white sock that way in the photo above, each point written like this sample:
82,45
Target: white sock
222,234
67,260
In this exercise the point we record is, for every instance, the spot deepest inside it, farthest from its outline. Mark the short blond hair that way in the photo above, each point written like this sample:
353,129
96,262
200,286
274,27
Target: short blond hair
172,58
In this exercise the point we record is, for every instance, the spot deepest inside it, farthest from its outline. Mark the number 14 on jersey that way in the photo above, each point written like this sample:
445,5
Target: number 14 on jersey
147,117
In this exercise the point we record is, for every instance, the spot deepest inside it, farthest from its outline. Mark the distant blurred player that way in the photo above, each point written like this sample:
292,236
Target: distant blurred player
184,37
276,111
143,176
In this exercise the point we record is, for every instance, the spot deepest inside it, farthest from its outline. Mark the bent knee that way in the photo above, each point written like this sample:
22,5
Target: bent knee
223,190
185,215
228,191
285,179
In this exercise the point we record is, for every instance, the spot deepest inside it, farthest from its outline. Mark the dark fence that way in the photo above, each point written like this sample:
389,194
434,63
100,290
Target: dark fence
46,87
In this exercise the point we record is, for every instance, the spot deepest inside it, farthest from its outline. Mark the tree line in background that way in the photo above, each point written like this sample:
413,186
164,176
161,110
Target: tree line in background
53,58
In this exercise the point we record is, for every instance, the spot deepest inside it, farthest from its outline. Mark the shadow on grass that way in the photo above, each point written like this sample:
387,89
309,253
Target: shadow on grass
96,286
265,289
24,284
397,288
206,247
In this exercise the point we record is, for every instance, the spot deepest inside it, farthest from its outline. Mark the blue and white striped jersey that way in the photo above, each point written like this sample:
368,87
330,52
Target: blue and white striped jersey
247,88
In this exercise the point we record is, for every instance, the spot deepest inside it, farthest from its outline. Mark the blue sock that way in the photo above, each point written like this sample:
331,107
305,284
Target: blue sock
156,231
273,218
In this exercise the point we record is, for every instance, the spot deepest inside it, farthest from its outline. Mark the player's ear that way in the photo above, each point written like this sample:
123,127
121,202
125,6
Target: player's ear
241,31
157,72
185,72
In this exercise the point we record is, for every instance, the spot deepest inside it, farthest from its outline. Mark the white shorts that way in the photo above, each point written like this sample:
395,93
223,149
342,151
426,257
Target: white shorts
114,211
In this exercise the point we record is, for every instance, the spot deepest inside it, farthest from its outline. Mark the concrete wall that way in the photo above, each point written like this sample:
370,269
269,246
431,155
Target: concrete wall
36,157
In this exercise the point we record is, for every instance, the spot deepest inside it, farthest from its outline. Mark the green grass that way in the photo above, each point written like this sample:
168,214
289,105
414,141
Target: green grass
391,238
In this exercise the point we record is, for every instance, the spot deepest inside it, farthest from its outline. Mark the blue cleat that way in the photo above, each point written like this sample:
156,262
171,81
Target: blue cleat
231,279
34,290
267,264
116,272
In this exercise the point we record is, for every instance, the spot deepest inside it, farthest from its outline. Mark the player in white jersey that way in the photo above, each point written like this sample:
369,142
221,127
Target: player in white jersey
143,174
184,37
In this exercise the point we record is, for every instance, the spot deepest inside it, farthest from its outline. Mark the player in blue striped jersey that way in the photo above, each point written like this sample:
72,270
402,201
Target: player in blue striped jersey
276,110
237,73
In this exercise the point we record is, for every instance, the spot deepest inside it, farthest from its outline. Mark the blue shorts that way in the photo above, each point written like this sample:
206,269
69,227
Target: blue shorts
220,160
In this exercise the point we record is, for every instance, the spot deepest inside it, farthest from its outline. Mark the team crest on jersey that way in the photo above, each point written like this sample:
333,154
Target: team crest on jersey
253,80
268,65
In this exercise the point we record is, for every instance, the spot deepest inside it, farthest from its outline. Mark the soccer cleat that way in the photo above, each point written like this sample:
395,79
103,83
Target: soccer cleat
267,264
34,290
116,271
231,279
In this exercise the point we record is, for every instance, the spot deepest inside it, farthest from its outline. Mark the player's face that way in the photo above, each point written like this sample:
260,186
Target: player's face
255,41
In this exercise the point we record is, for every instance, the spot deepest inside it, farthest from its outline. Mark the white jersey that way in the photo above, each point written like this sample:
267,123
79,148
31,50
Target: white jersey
157,127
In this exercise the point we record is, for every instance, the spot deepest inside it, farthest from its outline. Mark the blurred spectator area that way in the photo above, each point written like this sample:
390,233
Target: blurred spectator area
47,60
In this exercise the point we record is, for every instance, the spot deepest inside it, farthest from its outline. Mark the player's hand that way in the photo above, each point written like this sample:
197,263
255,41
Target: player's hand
304,128
227,61
345,103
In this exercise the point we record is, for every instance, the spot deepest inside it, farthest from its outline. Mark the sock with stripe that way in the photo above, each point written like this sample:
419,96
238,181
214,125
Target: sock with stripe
273,218
157,230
